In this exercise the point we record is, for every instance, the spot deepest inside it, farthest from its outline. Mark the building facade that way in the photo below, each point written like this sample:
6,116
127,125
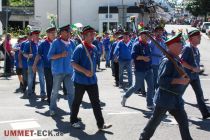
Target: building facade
92,12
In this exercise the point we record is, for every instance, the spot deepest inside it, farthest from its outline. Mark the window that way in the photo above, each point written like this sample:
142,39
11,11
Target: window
112,25
110,16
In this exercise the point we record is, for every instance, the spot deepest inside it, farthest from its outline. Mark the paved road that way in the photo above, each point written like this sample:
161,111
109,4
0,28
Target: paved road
128,122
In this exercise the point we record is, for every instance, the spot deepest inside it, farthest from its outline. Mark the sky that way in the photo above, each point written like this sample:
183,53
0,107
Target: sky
179,1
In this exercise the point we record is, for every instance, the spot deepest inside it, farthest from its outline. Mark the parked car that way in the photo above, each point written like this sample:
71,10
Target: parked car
205,26
208,31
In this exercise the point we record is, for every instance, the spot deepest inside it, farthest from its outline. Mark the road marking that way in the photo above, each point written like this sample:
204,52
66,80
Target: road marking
122,113
205,79
32,138
12,108
32,125
24,125
13,121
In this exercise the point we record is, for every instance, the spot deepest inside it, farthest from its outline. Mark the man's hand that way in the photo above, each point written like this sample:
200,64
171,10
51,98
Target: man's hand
30,55
146,59
196,69
115,60
185,81
88,73
34,68
64,54
20,65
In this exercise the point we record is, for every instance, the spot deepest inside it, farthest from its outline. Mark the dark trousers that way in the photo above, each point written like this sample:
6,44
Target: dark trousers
116,72
93,94
49,82
25,80
99,60
64,89
8,64
159,113
196,85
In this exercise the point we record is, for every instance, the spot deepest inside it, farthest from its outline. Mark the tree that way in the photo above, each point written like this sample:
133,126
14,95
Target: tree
16,3
198,7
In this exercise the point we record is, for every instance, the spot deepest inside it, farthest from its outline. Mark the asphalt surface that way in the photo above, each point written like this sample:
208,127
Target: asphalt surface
23,114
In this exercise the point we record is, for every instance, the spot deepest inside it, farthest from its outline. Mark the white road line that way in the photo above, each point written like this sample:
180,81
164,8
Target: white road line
13,121
12,108
24,125
32,138
122,113
205,79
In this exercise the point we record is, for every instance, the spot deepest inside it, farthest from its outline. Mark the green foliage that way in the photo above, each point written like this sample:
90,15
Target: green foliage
198,7
19,3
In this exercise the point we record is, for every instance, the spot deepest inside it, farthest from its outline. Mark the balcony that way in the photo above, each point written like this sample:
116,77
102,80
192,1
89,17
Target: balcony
19,10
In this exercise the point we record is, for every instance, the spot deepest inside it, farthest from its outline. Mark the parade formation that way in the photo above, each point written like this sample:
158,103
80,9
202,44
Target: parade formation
73,58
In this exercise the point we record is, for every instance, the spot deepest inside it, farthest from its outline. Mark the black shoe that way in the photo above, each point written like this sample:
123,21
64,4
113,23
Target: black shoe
48,100
105,126
78,119
117,84
143,93
206,116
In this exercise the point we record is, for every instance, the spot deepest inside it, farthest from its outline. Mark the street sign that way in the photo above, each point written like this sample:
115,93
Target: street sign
35,24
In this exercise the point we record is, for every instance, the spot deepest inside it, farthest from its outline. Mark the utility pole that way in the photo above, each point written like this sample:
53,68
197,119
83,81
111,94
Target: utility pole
70,12
108,17
58,13
123,14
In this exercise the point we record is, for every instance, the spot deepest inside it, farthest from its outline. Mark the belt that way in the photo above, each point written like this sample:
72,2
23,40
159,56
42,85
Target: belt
169,91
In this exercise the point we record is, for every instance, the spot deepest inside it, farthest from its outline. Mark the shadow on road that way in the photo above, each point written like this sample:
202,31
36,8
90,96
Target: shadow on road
33,102
86,105
202,124
147,114
80,134
195,105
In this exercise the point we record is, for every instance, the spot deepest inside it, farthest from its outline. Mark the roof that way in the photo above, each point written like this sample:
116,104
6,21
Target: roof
104,9
134,9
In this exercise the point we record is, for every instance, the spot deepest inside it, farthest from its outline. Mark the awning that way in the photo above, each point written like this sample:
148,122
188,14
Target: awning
104,9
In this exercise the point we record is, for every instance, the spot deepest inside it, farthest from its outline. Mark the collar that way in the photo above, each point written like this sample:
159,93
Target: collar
177,58
63,38
159,39
32,41
141,42
88,46
48,40
127,44
65,42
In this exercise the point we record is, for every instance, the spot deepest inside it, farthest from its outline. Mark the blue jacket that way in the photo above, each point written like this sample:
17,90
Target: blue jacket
123,52
31,48
98,45
169,96
61,65
111,53
80,58
17,47
191,55
106,43
24,60
156,53
43,50
141,49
